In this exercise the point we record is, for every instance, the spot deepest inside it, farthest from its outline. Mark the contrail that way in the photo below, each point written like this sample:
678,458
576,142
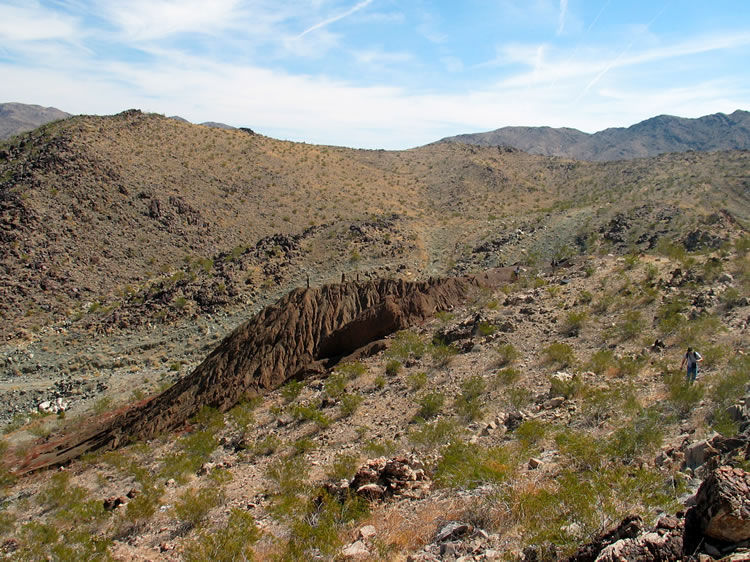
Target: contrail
622,54
329,21
561,20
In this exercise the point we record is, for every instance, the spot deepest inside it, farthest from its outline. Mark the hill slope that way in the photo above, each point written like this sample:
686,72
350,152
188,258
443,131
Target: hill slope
652,137
18,118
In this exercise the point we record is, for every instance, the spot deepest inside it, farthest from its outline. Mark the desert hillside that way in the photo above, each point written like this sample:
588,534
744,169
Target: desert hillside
217,345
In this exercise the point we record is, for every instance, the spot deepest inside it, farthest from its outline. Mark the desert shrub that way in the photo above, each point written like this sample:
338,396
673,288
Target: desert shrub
695,331
429,436
263,447
530,432
242,416
302,445
469,402
430,405
507,354
193,506
730,298
406,344
560,354
573,322
6,477
585,297
726,389
393,367
463,465
642,436
291,390
350,403
507,376
442,354
670,315
352,370
194,450
486,329
602,362
382,448
289,477
225,544
344,466
335,386
417,380
311,412
565,387
583,451
209,418
517,397
317,529
102,405
379,382
631,325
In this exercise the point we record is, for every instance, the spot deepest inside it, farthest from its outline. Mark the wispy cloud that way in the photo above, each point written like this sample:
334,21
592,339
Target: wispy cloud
561,17
356,8
30,22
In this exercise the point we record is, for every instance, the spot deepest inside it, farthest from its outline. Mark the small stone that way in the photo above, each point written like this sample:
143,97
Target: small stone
534,463
453,530
367,532
355,550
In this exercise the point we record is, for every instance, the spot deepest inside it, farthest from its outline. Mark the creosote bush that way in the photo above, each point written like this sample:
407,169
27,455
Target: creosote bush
429,436
469,402
226,544
507,354
463,465
417,381
560,354
430,405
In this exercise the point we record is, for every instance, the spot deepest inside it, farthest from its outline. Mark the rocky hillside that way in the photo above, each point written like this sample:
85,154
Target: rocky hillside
283,351
18,118
134,218
652,137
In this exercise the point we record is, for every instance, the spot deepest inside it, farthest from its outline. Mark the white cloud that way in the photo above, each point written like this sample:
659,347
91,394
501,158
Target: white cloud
30,22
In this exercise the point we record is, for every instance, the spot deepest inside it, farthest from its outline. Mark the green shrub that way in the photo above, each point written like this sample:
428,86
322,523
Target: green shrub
265,446
311,413
507,376
379,382
242,416
560,354
430,405
602,362
631,325
393,367
642,436
565,387
486,329
382,448
463,465
352,370
344,466
193,506
583,450
416,381
406,344
442,354
683,397
302,445
289,476
194,450
291,390
507,354
350,403
335,386
469,402
518,397
573,322
670,315
226,544
530,432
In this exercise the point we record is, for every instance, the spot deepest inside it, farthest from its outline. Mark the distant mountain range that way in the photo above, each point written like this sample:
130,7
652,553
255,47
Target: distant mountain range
651,137
19,117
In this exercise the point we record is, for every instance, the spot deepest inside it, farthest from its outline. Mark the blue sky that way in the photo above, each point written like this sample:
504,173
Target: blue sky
380,73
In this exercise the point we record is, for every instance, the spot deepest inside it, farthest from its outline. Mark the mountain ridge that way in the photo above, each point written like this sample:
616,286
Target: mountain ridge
651,137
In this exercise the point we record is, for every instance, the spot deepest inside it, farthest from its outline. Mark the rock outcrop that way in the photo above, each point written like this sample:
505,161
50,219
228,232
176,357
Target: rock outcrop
306,331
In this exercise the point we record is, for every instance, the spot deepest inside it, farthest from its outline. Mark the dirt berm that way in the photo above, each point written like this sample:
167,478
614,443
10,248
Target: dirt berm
306,331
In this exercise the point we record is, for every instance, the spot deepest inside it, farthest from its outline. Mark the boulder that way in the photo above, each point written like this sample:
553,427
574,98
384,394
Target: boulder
722,507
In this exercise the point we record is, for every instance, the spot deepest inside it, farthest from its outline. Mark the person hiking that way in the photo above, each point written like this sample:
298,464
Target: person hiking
691,358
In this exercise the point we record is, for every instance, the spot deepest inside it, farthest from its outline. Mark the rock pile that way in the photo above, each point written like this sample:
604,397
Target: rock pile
383,478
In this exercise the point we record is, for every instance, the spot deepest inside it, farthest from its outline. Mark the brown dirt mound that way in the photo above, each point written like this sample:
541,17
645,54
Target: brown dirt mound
306,331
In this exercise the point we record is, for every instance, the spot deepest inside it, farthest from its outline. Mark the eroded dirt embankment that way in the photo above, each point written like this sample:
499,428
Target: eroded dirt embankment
306,331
